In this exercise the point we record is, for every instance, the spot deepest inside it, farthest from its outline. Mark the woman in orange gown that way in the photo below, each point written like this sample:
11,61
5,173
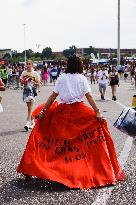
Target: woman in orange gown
70,142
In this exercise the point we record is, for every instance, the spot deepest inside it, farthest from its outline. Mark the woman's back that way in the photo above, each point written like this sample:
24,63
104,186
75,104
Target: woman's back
71,87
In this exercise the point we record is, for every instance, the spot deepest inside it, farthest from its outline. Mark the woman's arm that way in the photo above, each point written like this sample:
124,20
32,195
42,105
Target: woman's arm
93,104
47,104
50,100
109,77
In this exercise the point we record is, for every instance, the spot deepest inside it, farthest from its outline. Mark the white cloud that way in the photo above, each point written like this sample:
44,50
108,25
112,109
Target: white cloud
61,23
26,3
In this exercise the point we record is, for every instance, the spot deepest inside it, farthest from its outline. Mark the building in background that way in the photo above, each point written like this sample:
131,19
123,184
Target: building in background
5,51
106,52
58,54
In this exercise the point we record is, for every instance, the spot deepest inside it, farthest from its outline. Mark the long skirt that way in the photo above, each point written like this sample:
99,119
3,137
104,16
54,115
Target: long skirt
71,146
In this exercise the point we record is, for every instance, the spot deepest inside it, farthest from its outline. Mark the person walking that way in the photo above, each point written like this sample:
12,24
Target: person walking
45,76
30,80
2,88
54,73
49,68
125,73
93,74
102,78
4,75
70,142
114,82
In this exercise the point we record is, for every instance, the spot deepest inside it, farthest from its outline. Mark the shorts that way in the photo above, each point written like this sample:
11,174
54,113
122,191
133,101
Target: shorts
113,83
120,71
125,75
29,94
102,87
54,78
28,99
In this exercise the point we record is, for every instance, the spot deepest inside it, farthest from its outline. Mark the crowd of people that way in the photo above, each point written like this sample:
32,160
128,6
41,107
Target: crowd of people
48,73
10,74
68,142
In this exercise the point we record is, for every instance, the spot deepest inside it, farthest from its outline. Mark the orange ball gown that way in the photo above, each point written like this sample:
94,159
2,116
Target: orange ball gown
71,146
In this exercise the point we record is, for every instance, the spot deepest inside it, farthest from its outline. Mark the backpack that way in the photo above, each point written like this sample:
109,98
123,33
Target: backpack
54,72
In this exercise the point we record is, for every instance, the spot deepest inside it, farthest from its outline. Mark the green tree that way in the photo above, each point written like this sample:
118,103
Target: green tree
7,57
29,53
17,56
115,55
47,53
37,55
88,51
102,55
70,51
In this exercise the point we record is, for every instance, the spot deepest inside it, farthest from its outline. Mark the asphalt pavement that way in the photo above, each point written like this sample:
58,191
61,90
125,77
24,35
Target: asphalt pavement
14,190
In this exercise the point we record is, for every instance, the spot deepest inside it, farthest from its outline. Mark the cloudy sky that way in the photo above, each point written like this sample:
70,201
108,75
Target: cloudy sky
62,23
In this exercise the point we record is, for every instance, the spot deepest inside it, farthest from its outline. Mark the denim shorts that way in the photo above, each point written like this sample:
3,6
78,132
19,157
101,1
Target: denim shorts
28,94
102,87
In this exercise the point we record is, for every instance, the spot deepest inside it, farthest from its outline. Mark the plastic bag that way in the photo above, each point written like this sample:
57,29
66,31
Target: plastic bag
126,122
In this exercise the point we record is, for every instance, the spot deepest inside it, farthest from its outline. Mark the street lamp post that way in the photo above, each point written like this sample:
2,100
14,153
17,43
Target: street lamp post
118,51
25,42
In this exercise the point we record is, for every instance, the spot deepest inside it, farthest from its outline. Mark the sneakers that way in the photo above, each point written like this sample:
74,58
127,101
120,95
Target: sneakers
26,127
114,98
32,124
29,125
102,97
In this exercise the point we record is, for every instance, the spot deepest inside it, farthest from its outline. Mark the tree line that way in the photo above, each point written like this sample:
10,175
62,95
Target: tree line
46,54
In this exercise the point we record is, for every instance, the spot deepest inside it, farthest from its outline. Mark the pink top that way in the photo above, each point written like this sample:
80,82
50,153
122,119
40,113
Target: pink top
45,75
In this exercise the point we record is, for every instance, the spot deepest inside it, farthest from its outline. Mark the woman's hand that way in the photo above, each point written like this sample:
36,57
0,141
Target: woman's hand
40,115
99,115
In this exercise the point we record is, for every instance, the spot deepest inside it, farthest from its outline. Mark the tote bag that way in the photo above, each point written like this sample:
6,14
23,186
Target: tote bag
126,121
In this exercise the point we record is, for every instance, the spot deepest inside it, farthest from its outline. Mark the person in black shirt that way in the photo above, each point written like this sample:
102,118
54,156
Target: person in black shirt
114,82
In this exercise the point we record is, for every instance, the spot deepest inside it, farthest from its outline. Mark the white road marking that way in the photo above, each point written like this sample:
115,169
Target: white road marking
125,152
105,193
117,102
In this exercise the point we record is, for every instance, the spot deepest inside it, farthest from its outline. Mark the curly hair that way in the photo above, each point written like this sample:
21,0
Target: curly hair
74,65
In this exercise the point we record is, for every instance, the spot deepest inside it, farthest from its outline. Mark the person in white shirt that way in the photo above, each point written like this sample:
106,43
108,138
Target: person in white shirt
102,80
72,87
71,143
